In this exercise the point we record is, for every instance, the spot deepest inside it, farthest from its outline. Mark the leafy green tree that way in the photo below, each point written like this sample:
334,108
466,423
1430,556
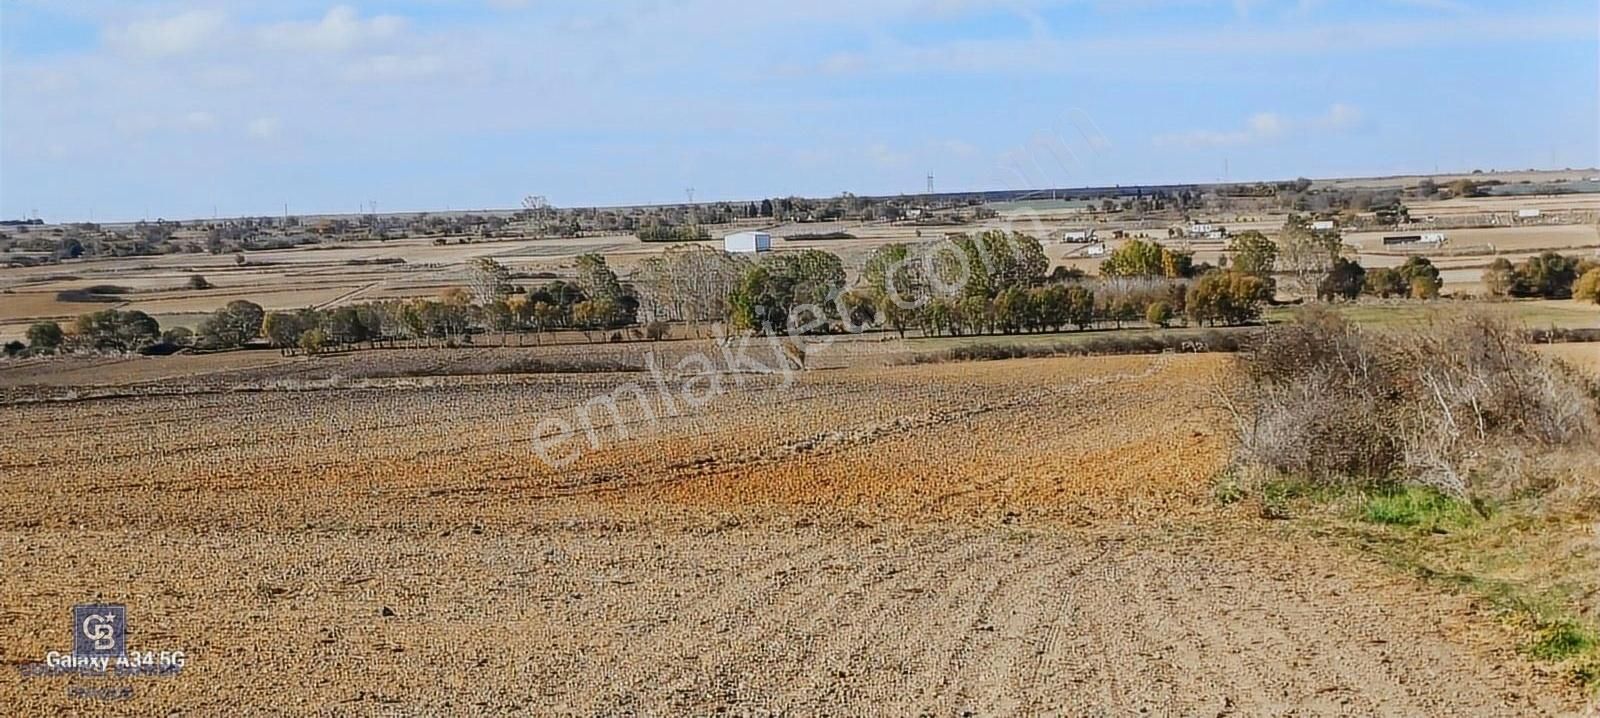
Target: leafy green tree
1548,275
977,314
1121,310
1080,307
283,329
1424,286
597,280
500,317
1012,310
1139,258
1227,298
1052,306
45,336
1386,282
1064,274
1159,314
233,325
117,330
178,337
1344,281
347,325
894,314
773,293
939,316
596,315
1500,278
1253,253
544,316
1415,267
895,276
760,302
313,341
1013,260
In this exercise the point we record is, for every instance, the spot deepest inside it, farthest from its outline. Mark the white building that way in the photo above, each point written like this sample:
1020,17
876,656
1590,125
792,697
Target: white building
1200,229
747,242
1433,238
1323,225
1078,236
1528,214
1096,250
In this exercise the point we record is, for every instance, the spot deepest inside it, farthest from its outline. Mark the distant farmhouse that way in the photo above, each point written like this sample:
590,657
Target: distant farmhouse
1433,238
1077,236
1207,230
747,242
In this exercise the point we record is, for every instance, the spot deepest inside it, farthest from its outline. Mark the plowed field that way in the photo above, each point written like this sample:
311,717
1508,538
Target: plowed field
1008,538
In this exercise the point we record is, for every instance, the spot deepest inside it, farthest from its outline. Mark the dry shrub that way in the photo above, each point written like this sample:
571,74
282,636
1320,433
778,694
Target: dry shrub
1461,404
1230,339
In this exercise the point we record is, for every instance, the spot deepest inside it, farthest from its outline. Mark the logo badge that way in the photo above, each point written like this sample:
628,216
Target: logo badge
99,630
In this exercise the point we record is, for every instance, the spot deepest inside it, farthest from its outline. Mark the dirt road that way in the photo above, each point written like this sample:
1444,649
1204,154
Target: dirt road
1015,538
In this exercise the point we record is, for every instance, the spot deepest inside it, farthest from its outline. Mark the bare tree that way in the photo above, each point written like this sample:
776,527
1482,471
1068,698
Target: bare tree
489,280
688,283
1307,255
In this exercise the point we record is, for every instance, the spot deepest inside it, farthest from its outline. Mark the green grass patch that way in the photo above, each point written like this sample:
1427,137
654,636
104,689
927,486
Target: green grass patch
1562,640
1419,507
1506,555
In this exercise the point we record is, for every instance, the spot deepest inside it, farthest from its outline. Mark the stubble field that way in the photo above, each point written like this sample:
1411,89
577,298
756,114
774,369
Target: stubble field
1019,537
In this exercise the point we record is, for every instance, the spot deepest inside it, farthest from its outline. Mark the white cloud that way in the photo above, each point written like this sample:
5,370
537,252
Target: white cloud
199,120
263,128
392,67
1339,117
1265,127
342,28
1266,124
883,155
176,35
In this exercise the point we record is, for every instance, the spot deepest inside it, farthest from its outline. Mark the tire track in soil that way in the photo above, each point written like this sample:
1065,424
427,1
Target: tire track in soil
712,616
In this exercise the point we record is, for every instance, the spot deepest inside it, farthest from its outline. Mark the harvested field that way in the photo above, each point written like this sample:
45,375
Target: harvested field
1016,537
1584,356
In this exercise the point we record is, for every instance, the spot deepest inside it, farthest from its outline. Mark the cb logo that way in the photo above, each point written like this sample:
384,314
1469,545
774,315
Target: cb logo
99,630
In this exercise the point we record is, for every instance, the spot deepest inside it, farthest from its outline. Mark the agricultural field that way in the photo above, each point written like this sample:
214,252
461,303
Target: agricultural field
356,269
1010,537
1583,356
1528,314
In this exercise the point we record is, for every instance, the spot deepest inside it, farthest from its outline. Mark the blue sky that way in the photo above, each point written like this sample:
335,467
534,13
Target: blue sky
119,109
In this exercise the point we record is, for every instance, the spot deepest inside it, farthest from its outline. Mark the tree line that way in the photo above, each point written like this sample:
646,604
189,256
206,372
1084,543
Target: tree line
987,283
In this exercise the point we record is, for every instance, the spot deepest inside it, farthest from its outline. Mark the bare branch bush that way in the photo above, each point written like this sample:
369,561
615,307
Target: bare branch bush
1461,404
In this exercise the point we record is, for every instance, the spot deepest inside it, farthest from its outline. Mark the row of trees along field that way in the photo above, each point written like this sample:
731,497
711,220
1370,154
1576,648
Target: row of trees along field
994,282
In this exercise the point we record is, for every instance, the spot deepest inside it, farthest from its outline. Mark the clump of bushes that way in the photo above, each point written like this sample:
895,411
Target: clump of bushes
1463,406
1211,340
96,293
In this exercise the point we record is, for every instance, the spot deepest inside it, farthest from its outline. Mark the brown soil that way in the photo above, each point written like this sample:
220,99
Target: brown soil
1008,538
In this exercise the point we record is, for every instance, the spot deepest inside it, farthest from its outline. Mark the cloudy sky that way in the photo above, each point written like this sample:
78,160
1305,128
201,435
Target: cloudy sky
117,109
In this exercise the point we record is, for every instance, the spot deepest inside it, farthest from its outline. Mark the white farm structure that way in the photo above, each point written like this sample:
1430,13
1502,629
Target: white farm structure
747,242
